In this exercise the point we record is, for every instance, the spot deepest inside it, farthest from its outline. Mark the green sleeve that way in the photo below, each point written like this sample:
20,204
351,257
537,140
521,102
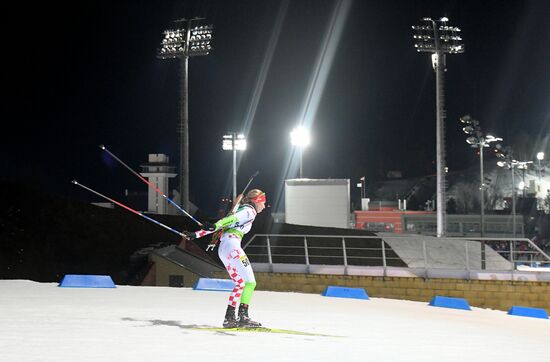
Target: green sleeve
226,222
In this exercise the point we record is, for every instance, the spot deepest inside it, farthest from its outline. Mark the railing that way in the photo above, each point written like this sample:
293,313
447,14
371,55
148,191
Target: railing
308,250
358,252
516,250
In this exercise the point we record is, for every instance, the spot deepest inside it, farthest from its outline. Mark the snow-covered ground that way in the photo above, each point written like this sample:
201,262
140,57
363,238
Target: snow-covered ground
42,322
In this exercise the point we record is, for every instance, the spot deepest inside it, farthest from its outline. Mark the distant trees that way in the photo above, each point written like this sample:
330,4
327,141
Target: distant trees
466,197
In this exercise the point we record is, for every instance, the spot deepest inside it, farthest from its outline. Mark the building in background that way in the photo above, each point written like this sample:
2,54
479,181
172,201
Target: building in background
158,171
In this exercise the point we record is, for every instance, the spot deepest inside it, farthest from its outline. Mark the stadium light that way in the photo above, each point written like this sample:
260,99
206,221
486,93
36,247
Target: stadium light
478,140
507,161
300,137
185,40
234,142
439,39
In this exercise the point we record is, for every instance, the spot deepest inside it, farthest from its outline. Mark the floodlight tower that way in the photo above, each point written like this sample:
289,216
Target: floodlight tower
506,159
438,38
234,142
479,140
182,42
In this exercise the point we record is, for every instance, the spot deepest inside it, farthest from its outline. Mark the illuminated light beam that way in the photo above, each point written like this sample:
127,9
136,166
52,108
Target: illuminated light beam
264,70
316,86
324,62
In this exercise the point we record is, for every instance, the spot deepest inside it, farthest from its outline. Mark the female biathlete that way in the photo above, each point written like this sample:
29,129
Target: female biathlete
234,227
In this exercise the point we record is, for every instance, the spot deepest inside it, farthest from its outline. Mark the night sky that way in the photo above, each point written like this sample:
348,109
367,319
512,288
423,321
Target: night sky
86,73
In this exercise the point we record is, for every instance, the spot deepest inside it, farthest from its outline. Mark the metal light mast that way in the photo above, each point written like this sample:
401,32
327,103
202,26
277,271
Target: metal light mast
438,38
182,42
479,140
506,156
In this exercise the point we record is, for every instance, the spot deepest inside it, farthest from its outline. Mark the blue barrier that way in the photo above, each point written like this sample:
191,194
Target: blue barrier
448,302
528,312
86,281
221,285
344,292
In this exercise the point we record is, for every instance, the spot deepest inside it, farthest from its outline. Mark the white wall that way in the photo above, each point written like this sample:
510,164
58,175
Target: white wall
317,202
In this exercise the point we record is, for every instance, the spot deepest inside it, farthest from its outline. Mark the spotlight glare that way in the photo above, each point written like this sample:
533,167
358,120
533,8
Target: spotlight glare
471,140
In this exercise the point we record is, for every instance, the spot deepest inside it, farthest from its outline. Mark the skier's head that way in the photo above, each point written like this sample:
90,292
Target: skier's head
256,198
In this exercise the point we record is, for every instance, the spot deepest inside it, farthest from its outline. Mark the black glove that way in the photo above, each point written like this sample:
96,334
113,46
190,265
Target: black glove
189,235
208,226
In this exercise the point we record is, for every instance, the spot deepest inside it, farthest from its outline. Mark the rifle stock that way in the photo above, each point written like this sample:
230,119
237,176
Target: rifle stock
236,203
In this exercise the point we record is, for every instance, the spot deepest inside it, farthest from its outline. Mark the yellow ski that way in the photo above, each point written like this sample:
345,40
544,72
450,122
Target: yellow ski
263,330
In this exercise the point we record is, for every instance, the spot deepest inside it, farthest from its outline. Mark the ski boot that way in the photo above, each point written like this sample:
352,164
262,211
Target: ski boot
230,321
244,320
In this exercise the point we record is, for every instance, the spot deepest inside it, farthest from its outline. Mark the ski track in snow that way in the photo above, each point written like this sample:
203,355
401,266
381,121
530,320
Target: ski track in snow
42,322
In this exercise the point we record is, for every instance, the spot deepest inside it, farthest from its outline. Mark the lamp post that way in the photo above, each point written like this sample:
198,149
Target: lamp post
438,38
540,157
300,137
478,140
182,42
507,160
523,165
233,142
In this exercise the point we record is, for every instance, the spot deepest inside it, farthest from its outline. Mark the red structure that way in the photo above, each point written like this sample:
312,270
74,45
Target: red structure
383,219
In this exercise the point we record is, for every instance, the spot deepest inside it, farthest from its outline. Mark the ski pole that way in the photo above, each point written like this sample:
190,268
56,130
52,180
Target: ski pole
150,184
237,201
129,209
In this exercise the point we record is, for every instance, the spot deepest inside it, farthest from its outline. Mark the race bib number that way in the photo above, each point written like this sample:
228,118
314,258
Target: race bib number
245,261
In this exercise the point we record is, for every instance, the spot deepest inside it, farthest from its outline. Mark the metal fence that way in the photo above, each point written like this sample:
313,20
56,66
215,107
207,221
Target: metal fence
374,251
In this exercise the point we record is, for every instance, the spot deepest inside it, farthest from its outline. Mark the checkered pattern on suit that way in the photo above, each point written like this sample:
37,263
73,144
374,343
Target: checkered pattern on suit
237,265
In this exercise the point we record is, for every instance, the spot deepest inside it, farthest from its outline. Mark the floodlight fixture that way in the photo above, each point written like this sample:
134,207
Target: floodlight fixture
467,119
231,141
234,142
438,36
300,137
490,138
500,155
186,41
187,38
471,140
468,130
